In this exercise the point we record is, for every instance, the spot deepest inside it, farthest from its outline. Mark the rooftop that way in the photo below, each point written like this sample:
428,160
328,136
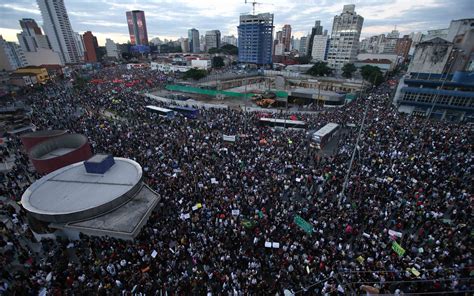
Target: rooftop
71,194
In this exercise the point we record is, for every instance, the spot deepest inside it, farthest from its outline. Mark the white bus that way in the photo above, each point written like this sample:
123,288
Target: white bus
160,111
322,136
277,122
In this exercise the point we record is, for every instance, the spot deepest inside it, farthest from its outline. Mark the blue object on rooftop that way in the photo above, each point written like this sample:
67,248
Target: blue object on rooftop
99,164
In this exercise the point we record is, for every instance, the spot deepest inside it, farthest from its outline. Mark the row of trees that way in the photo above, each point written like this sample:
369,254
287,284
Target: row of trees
369,73
225,49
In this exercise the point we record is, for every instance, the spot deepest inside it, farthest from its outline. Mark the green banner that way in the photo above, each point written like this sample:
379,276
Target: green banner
398,249
247,223
303,224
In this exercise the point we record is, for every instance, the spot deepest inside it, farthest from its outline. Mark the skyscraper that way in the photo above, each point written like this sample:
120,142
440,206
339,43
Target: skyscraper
193,37
213,39
286,37
35,45
31,38
111,48
255,38
79,41
303,45
137,27
229,40
320,47
58,29
91,46
11,56
345,36
403,46
316,30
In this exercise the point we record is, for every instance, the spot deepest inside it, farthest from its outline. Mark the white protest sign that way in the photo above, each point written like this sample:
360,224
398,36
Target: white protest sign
394,233
228,138
214,181
275,245
268,244
154,253
195,208
235,212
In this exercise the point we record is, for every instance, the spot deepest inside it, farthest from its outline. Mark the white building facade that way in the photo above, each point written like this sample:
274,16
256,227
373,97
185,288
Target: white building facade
111,48
320,48
58,28
345,35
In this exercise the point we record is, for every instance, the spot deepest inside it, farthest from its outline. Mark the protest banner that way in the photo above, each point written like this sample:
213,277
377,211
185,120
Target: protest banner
303,224
398,249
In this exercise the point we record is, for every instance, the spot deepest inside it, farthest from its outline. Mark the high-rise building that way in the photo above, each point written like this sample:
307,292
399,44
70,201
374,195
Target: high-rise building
111,49
390,42
193,37
31,38
303,45
90,45
79,41
403,46
137,27
58,28
316,30
320,48
279,49
296,43
277,42
35,45
459,27
213,39
12,56
286,37
345,35
184,44
255,38
229,40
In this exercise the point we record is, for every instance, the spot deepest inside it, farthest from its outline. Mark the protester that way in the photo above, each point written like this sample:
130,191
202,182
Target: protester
410,186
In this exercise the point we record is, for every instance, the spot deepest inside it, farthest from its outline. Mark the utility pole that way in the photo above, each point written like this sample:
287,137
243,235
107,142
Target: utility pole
346,179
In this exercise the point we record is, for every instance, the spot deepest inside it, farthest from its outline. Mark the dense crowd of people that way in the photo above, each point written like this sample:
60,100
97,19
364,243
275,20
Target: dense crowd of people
410,186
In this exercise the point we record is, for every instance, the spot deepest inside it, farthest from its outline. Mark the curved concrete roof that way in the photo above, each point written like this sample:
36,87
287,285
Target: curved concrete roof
71,194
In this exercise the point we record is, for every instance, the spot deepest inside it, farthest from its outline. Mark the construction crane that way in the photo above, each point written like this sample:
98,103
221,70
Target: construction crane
256,3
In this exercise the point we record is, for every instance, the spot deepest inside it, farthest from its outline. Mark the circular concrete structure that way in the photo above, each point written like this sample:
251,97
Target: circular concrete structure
59,152
30,140
71,194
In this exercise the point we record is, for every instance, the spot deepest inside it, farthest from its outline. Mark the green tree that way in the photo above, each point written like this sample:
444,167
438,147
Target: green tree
195,74
229,49
372,74
348,70
214,50
225,49
218,62
319,69
303,60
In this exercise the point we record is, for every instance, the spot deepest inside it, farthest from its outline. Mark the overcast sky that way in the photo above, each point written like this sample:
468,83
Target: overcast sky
172,18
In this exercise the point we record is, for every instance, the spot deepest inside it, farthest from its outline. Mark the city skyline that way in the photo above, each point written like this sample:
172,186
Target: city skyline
172,19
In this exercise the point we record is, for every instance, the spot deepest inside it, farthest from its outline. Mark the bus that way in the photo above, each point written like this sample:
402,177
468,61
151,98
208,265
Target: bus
189,112
322,136
276,122
160,111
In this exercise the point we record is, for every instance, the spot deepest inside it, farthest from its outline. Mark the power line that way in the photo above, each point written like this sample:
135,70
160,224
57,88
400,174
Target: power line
410,281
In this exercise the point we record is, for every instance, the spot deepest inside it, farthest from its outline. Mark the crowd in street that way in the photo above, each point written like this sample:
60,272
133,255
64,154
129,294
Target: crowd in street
410,187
